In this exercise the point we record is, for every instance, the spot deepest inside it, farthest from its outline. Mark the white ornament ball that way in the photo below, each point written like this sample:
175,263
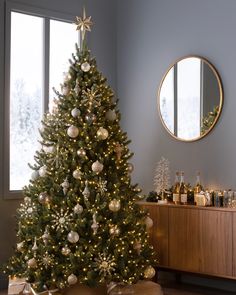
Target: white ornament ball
81,153
110,115
75,113
97,167
148,222
32,263
73,237
65,250
35,175
77,174
73,131
102,133
43,171
20,246
72,279
65,90
78,209
85,66
149,272
114,205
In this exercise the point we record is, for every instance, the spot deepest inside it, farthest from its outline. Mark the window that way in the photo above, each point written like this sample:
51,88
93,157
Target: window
40,45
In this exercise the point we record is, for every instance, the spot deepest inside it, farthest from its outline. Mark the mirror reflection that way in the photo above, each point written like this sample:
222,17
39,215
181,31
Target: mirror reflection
190,98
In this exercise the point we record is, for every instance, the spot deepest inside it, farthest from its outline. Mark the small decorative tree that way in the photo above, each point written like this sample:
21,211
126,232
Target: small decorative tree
162,176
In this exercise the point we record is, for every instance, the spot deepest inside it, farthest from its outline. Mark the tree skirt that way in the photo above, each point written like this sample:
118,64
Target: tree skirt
141,288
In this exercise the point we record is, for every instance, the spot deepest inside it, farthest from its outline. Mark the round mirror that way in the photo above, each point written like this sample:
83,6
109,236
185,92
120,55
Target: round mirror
190,98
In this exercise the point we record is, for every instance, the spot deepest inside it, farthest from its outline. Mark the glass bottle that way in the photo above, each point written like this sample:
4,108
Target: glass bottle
182,190
176,199
198,187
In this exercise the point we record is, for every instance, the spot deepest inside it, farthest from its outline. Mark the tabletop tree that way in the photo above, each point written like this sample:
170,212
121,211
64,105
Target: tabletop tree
79,221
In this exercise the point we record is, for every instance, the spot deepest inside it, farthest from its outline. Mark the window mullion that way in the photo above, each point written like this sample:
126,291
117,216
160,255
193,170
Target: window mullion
46,48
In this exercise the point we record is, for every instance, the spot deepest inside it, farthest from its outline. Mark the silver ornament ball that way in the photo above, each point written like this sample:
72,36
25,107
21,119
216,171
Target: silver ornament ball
102,133
78,209
43,198
85,67
77,174
75,113
90,118
34,175
97,167
43,171
73,131
72,279
73,237
114,205
148,222
130,167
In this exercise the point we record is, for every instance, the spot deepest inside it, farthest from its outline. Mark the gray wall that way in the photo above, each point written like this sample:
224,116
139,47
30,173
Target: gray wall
102,42
152,34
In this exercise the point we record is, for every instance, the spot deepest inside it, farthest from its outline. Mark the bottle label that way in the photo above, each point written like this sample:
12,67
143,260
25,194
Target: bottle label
175,198
184,198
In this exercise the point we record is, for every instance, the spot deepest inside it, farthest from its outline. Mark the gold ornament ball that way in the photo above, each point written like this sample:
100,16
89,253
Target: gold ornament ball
111,115
85,67
130,167
114,205
148,222
81,153
32,263
72,279
77,174
73,131
149,272
73,237
97,167
20,246
102,133
65,251
114,231
75,113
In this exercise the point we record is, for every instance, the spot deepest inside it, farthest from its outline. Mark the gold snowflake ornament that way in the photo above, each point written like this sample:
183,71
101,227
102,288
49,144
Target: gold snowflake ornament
105,264
83,24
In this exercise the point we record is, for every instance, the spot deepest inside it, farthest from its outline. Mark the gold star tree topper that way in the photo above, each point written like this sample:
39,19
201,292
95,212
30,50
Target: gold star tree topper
83,24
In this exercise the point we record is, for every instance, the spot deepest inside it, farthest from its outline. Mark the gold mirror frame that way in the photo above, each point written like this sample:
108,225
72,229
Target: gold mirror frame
220,92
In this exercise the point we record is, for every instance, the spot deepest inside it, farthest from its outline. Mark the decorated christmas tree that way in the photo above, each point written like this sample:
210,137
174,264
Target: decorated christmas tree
79,221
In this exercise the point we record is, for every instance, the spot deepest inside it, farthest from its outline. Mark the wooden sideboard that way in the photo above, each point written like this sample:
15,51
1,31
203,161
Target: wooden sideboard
199,240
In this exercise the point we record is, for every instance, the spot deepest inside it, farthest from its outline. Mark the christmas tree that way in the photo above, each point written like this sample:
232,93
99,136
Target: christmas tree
79,220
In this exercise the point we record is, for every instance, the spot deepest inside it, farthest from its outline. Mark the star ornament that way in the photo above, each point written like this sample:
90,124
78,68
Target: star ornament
83,24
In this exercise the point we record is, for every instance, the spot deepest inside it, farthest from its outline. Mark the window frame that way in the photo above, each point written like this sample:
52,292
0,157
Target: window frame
47,15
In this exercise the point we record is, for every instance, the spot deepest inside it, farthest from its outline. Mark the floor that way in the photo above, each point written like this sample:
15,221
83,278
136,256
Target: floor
182,289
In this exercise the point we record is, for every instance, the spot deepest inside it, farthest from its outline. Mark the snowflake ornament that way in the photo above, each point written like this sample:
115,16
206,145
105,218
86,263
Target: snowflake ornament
102,186
105,264
47,260
61,220
92,98
27,210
